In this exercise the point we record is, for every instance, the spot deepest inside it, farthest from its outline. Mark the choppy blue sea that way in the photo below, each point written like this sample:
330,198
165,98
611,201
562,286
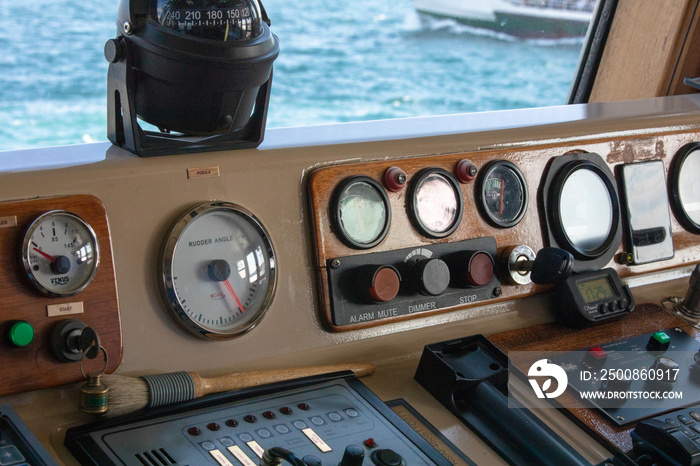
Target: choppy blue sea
339,62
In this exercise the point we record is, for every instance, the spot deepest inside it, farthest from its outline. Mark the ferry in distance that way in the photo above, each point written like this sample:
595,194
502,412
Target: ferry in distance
531,19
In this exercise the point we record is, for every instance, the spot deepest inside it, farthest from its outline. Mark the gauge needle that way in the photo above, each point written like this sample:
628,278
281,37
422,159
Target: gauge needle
233,293
500,208
49,257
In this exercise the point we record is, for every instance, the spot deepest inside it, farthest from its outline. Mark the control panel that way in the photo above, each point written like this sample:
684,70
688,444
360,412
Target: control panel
659,362
370,219
331,421
673,438
58,281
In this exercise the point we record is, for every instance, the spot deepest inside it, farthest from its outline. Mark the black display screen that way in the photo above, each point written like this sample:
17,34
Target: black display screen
595,290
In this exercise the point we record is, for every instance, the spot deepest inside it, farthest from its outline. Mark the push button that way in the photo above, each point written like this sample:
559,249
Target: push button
19,333
659,341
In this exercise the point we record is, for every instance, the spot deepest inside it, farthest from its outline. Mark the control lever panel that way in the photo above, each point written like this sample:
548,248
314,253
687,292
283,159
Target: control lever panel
672,438
330,420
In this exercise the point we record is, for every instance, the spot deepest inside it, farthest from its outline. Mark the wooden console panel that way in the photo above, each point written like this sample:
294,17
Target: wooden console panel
532,161
34,366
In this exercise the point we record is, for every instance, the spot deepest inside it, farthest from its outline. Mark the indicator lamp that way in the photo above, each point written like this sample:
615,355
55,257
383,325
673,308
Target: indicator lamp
196,73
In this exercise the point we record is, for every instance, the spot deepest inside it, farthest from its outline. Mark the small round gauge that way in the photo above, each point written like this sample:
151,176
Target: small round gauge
218,271
60,253
435,202
684,183
502,193
362,212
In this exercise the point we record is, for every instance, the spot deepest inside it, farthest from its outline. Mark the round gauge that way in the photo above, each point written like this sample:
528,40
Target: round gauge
586,210
362,212
218,271
221,20
684,183
60,253
502,193
435,202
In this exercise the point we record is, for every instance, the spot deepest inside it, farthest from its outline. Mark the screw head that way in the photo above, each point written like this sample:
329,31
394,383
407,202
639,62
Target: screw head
128,29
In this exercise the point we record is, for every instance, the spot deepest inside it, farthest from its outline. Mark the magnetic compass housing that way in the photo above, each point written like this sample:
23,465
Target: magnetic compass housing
199,71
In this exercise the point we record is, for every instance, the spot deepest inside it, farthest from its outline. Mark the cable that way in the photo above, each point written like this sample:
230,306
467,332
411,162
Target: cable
274,456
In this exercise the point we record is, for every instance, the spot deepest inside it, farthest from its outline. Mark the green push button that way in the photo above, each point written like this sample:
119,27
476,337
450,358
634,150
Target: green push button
659,341
662,338
20,333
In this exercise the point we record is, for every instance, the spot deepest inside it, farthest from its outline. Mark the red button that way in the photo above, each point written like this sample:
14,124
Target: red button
385,284
479,269
598,352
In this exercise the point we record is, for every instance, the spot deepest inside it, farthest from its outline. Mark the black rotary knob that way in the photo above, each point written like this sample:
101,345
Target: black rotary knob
665,370
387,457
433,276
354,456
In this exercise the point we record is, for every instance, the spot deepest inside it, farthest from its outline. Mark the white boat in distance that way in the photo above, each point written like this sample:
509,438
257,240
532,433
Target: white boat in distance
550,19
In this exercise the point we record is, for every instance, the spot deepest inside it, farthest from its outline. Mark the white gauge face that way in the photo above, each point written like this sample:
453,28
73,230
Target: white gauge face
60,253
362,211
689,186
218,271
586,210
436,202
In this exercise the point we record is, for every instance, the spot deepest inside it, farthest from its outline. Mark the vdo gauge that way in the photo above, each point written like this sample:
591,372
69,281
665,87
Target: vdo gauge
684,184
502,194
435,202
218,271
583,209
361,212
60,253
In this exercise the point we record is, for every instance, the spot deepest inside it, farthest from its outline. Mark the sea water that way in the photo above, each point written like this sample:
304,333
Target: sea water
338,62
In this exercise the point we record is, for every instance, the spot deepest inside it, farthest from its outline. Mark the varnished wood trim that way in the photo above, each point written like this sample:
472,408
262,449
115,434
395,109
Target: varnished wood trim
35,367
532,161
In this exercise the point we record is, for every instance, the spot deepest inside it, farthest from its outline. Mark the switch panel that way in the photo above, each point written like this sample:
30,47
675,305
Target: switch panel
432,278
325,420
46,274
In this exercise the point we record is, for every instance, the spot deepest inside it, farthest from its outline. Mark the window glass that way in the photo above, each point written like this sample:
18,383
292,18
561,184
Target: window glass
338,62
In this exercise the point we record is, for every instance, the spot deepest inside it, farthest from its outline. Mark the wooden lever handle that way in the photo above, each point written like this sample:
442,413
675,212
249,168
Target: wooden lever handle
208,385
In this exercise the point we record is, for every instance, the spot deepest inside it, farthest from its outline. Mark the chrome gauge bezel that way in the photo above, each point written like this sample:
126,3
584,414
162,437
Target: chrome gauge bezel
26,261
337,217
414,208
674,178
173,302
484,176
